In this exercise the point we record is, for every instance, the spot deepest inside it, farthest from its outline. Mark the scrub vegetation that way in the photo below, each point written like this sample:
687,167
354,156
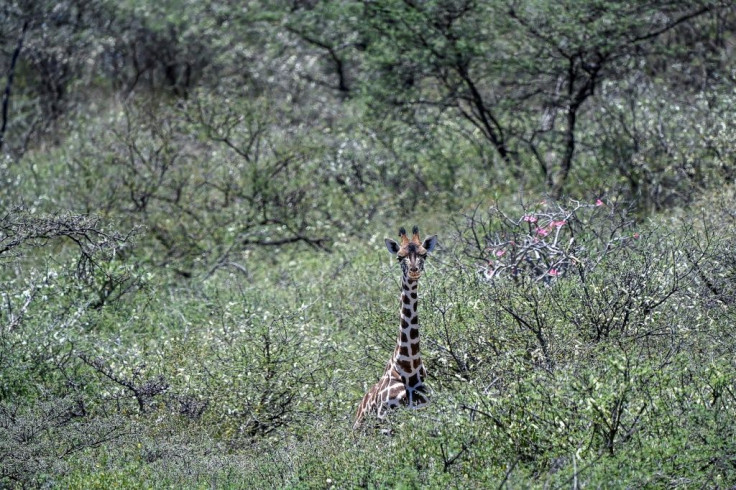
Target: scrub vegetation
194,287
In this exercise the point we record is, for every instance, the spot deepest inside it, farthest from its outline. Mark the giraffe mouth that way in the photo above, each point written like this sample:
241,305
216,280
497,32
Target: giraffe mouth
414,275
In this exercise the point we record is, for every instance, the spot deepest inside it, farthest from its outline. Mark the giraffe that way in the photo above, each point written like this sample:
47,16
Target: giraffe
402,382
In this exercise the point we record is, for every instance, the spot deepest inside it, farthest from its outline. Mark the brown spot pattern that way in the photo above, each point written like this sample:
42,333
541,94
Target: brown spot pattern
393,389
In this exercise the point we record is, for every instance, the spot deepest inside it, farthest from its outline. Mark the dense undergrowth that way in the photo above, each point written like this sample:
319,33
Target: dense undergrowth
194,288
618,371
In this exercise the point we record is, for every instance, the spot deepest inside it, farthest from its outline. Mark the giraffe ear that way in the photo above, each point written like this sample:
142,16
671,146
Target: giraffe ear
392,246
430,243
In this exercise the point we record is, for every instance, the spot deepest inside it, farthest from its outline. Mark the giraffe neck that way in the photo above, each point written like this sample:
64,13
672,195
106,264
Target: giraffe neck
407,359
403,380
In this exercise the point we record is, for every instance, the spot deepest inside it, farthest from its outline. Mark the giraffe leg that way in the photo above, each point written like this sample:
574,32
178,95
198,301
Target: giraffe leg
363,408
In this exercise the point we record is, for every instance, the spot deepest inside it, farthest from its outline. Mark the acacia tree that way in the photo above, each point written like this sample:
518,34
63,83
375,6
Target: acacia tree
520,72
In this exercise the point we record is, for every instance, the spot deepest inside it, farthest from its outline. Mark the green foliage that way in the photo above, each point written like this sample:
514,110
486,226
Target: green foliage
663,156
194,289
521,78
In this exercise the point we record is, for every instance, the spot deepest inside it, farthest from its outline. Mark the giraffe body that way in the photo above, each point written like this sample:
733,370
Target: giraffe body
402,382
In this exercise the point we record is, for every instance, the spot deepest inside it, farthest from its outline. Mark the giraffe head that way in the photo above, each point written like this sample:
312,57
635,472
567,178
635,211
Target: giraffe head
411,253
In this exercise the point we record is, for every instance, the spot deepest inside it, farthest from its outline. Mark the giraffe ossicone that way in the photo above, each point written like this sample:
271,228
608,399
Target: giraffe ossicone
402,383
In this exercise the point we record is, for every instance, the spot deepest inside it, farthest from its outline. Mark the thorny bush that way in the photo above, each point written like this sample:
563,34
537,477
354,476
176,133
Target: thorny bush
586,267
544,242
